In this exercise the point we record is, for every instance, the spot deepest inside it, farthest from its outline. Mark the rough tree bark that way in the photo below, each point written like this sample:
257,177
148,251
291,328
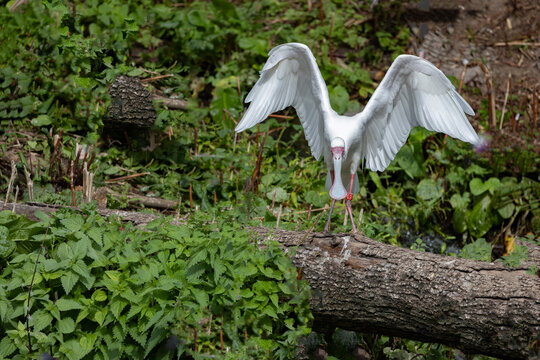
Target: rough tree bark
362,285
131,105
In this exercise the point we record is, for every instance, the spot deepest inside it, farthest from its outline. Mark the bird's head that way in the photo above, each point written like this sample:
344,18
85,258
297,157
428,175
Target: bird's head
337,146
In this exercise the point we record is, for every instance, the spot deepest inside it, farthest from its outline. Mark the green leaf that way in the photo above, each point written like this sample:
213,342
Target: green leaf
226,9
3,233
507,211
73,223
193,273
339,98
41,120
157,316
140,338
82,315
459,220
66,325
520,253
99,295
480,219
95,234
199,255
412,164
7,347
7,247
219,268
255,45
85,277
135,72
42,319
460,201
477,186
88,341
72,349
201,296
64,252
117,305
270,311
84,82
158,335
492,184
478,250
280,194
5,307
317,198
112,170
376,179
67,304
68,281
113,275
428,189
225,96
99,316
275,300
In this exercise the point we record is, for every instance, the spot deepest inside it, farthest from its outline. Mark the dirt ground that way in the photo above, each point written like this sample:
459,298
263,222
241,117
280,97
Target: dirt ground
494,33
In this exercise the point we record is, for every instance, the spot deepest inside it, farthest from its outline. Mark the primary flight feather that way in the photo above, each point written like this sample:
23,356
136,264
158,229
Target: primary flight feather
413,93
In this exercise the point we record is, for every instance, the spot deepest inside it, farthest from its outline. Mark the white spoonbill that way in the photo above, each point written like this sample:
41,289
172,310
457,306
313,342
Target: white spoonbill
413,92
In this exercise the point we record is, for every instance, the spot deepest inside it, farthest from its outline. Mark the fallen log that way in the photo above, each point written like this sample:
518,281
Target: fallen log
362,285
138,219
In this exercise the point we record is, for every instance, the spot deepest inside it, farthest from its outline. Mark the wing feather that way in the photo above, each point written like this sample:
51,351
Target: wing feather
413,92
290,77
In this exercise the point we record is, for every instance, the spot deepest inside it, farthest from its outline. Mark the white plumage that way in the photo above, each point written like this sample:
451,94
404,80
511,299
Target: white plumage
413,93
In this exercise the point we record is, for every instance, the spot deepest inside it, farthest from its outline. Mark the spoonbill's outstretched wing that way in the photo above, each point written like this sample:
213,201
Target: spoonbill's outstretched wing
413,92
290,77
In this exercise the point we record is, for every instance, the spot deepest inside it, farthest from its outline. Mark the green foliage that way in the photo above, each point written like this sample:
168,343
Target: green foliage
520,253
109,290
478,250
481,195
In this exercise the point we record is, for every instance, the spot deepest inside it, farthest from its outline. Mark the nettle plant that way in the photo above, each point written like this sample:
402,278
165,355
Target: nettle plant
76,285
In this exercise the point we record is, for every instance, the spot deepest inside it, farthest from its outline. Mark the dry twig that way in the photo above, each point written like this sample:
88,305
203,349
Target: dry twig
10,183
88,184
175,104
535,109
127,177
492,124
71,186
503,110
517,43
156,78
29,183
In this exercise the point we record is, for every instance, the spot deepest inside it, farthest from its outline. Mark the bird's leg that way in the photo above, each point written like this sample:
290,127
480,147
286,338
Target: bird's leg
327,227
348,203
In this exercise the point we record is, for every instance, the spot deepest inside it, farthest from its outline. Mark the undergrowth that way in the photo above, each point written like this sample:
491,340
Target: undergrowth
75,285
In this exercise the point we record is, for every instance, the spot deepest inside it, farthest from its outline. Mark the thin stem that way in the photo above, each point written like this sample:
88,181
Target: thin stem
30,290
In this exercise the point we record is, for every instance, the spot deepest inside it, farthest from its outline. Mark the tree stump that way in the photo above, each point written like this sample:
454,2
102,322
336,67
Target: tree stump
131,105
